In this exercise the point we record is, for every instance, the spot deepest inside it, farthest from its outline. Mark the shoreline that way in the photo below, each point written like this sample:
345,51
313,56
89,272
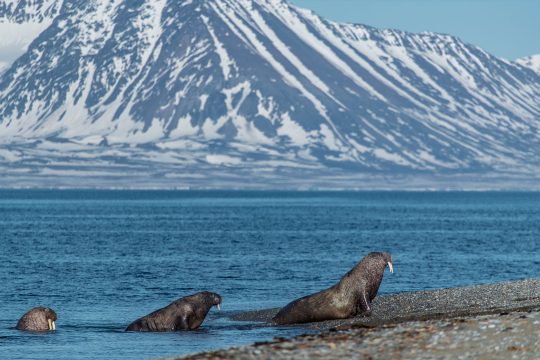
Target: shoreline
431,305
500,319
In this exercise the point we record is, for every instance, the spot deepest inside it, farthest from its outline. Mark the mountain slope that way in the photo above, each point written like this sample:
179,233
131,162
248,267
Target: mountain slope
260,85
532,62
20,23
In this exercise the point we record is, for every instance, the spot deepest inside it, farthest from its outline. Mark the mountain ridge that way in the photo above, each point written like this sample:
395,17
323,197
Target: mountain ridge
261,86
532,62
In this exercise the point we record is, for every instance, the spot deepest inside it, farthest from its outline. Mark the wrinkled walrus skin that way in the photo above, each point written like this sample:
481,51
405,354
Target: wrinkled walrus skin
351,296
38,319
187,313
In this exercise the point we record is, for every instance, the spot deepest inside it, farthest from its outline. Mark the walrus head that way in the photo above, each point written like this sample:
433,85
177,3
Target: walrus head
216,300
38,319
383,257
212,298
51,317
388,259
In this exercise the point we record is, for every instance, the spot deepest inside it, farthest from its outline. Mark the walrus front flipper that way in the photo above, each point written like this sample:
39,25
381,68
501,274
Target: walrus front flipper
182,323
364,305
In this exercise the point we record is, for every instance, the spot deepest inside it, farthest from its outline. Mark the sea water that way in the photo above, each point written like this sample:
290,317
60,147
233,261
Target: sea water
102,259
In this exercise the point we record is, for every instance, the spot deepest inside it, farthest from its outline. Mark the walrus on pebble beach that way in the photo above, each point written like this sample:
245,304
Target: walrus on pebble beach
186,313
38,319
351,296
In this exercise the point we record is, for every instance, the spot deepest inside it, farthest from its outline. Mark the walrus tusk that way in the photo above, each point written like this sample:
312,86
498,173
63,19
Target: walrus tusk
391,267
219,307
51,324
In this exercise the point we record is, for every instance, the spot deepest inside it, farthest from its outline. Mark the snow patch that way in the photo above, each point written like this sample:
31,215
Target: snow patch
292,130
216,159
184,128
202,100
15,38
532,62
227,64
10,156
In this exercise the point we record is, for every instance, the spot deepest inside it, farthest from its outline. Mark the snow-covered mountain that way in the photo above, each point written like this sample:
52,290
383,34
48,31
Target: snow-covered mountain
20,23
213,92
532,62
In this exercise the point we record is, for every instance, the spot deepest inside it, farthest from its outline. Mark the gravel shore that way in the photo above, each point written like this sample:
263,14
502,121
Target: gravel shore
502,336
485,321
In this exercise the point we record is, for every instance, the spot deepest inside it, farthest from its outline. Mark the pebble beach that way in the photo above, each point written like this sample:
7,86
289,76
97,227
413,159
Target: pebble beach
497,321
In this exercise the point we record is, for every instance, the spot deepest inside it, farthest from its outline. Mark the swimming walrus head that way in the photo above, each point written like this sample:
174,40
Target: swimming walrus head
38,319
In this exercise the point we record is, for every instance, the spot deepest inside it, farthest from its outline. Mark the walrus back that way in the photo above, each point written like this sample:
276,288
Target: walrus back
159,320
135,326
34,320
27,324
187,313
308,309
290,314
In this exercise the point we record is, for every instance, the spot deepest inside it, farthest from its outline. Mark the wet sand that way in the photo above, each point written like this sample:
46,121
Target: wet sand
484,321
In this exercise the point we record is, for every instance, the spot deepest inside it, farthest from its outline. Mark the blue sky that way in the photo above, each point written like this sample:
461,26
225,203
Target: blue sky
506,28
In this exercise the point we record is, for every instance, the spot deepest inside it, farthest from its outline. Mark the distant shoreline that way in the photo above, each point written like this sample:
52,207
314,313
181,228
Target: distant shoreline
269,190
299,182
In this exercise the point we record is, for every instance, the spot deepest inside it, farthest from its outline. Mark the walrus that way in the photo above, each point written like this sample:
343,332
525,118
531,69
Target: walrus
186,313
38,319
351,296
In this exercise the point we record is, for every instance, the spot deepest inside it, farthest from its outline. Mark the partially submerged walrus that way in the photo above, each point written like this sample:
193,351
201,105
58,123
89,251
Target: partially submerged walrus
38,319
351,296
186,313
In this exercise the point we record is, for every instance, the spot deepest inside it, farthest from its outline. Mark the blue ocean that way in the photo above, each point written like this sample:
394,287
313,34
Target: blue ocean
102,259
